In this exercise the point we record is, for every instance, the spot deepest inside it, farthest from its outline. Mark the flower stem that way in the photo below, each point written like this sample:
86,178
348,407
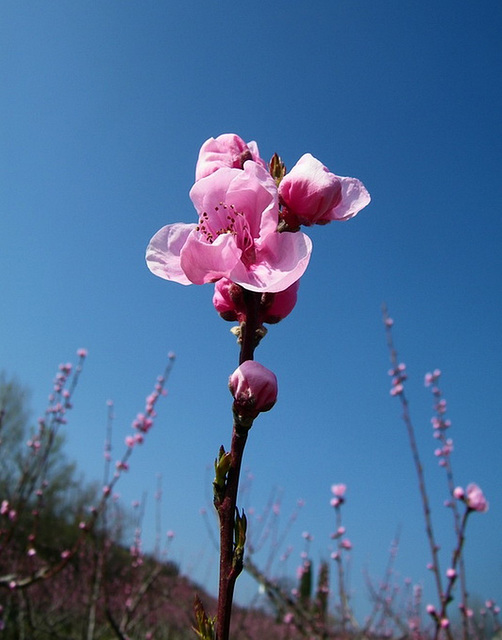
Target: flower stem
230,563
231,558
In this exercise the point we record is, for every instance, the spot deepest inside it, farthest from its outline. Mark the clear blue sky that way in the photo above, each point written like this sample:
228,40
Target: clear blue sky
104,107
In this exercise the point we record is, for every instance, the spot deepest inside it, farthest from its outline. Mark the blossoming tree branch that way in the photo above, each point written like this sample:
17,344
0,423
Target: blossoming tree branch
248,242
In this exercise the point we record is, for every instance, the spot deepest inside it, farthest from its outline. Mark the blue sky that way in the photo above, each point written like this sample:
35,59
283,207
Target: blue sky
104,107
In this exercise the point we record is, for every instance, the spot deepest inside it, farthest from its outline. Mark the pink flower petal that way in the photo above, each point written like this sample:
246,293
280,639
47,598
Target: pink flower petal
227,150
203,262
281,261
354,198
163,252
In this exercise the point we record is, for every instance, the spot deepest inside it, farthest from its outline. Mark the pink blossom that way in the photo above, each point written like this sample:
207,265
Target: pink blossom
227,150
254,388
475,498
451,573
346,544
338,490
288,618
236,237
396,389
311,194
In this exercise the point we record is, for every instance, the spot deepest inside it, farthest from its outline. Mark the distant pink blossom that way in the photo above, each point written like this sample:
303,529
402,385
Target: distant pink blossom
346,544
451,573
396,389
227,150
338,490
475,499
236,236
311,194
288,618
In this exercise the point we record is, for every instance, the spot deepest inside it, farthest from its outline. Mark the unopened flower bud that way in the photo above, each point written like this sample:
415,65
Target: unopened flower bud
228,300
254,388
311,194
458,493
276,306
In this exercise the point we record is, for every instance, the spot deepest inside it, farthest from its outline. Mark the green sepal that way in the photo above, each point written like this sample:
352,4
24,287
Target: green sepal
221,467
240,529
277,169
205,628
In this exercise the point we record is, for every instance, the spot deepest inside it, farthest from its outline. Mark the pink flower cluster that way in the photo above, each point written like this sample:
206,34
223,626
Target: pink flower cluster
473,497
338,490
399,375
247,231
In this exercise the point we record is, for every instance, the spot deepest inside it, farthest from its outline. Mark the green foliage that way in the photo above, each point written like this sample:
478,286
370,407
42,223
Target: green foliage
305,586
40,485
14,418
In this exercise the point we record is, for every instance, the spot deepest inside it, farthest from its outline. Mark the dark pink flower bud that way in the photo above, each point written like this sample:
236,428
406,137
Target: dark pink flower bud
227,150
228,300
276,306
254,388
311,194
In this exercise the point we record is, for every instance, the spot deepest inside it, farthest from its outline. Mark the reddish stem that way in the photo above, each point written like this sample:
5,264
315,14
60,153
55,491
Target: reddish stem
230,564
230,567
